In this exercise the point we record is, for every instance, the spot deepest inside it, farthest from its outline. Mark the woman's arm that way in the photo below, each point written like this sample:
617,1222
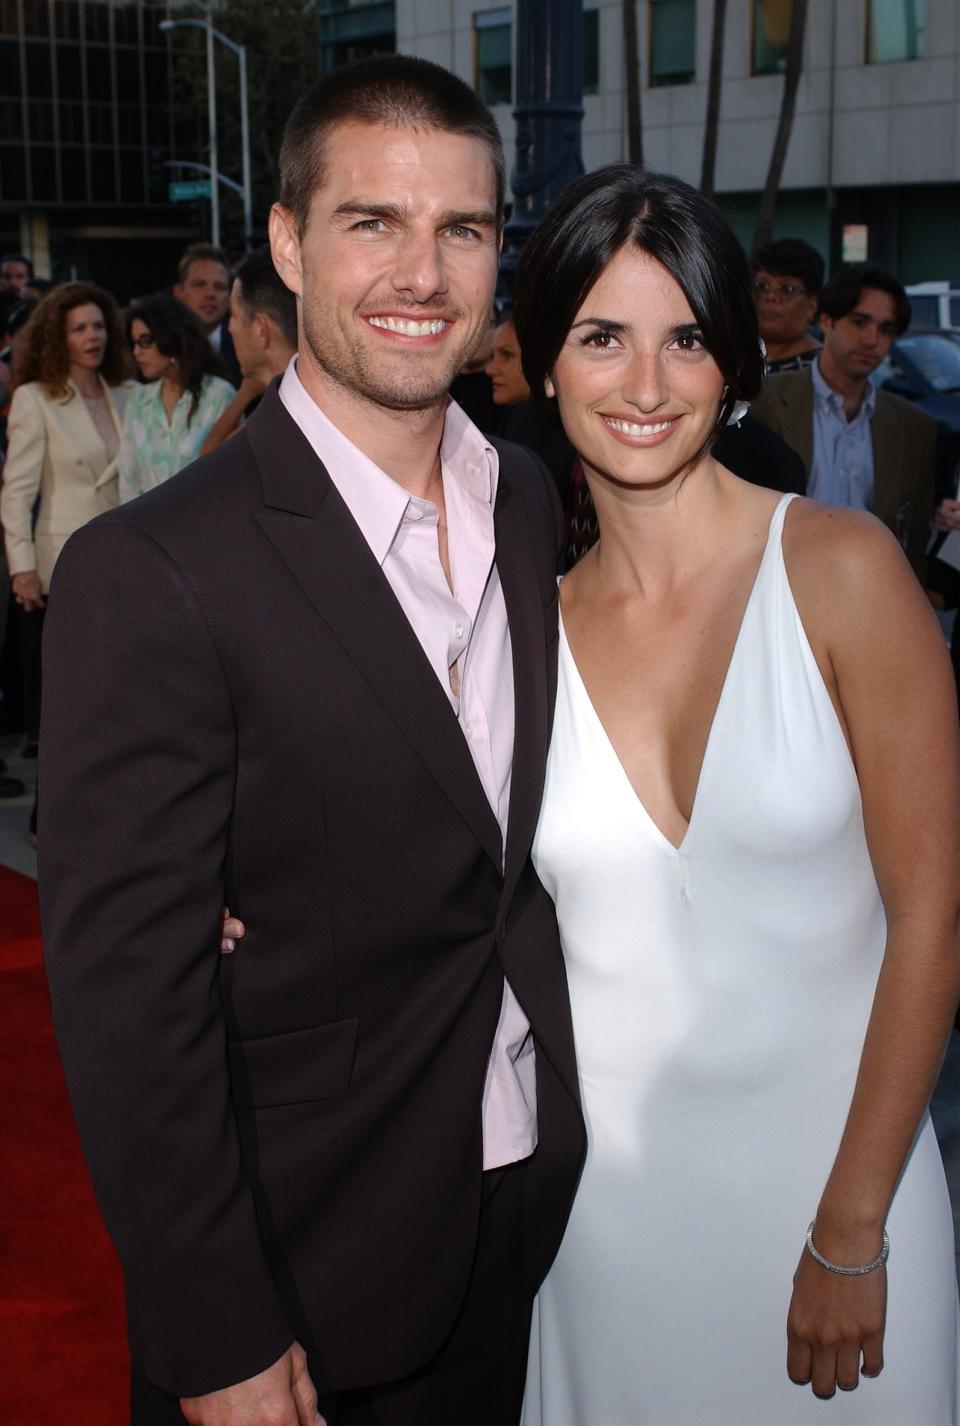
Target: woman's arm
228,422
886,662
22,473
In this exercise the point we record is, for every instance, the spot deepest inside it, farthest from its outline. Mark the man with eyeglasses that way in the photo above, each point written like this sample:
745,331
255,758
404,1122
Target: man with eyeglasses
788,275
862,447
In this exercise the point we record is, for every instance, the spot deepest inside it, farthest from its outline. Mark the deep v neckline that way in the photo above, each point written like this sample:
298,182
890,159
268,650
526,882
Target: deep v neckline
679,847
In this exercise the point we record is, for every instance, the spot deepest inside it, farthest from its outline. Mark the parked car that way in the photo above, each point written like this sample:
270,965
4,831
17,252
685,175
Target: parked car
924,366
935,304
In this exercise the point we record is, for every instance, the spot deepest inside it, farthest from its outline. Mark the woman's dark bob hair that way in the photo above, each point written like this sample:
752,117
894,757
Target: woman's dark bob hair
178,334
624,204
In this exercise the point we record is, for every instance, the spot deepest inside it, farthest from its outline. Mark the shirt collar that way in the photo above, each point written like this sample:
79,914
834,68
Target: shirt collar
376,502
833,401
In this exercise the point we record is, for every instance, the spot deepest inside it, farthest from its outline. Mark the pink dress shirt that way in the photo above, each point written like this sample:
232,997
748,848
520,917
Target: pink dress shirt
464,629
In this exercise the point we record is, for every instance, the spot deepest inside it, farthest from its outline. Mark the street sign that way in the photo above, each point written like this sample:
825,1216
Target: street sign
195,188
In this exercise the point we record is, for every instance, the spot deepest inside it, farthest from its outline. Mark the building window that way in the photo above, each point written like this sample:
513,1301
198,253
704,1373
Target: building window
355,29
673,34
591,51
492,65
896,29
771,31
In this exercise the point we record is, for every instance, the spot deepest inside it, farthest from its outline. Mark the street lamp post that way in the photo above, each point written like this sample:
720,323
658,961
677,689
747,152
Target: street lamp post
241,52
549,109
212,128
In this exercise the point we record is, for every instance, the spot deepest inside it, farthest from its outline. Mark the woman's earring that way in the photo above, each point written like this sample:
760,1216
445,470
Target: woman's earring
548,387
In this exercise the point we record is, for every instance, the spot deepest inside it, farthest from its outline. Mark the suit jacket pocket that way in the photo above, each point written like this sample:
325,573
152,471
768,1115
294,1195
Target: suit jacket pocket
294,1068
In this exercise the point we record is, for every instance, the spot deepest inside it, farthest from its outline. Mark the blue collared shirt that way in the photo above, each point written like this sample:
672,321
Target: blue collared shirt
842,469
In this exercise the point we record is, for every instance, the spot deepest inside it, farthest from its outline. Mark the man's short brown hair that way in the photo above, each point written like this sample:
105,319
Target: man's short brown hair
398,90
200,252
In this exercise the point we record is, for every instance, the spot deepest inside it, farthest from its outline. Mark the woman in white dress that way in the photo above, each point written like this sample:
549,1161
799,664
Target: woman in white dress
750,829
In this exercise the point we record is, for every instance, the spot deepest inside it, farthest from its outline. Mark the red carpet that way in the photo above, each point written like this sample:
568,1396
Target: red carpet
62,1346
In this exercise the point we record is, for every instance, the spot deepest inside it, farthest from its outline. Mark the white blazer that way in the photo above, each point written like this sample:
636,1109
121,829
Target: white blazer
55,451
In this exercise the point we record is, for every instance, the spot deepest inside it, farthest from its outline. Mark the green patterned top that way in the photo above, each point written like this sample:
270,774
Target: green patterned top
153,448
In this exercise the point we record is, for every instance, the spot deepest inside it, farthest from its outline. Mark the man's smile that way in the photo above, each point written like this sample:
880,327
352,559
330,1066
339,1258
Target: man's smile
411,326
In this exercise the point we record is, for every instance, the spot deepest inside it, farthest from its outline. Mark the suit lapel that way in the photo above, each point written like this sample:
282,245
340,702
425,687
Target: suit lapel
798,417
887,440
518,579
314,534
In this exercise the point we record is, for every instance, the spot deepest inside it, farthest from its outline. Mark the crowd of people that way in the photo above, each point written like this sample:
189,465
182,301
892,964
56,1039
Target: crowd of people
98,406
590,940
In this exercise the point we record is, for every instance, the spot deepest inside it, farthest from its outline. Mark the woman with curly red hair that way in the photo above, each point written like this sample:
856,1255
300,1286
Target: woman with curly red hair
70,381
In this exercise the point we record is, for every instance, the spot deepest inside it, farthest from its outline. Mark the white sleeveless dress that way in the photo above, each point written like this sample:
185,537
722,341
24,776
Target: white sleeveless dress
720,993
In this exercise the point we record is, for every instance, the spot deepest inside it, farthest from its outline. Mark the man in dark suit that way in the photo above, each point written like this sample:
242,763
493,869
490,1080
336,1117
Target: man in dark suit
861,447
203,285
312,677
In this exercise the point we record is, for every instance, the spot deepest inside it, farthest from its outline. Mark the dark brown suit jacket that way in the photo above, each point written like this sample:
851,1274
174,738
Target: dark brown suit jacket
287,1142
904,447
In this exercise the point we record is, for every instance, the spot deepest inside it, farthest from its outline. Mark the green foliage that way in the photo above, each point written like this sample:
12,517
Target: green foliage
282,61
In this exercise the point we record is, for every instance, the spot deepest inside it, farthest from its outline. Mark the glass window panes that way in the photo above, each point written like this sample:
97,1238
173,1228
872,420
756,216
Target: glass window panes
11,120
73,170
128,77
100,118
591,51
673,28
99,82
9,68
38,66
896,29
71,122
41,120
126,27
43,171
103,176
13,173
9,17
96,21
131,176
36,17
69,79
771,31
66,19
493,76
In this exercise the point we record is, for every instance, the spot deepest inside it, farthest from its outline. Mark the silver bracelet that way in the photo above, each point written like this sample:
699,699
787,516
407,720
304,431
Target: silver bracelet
878,1261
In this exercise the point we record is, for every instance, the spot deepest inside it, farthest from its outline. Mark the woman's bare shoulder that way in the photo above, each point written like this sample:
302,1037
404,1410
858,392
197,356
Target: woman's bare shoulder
851,580
838,549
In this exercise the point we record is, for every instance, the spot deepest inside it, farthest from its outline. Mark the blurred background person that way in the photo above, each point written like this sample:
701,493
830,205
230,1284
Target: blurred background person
70,383
263,318
16,271
504,368
263,327
861,447
471,388
203,285
167,420
15,312
519,418
13,319
787,278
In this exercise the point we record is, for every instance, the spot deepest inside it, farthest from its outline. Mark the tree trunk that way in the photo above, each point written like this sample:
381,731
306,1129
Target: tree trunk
631,55
707,172
798,25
